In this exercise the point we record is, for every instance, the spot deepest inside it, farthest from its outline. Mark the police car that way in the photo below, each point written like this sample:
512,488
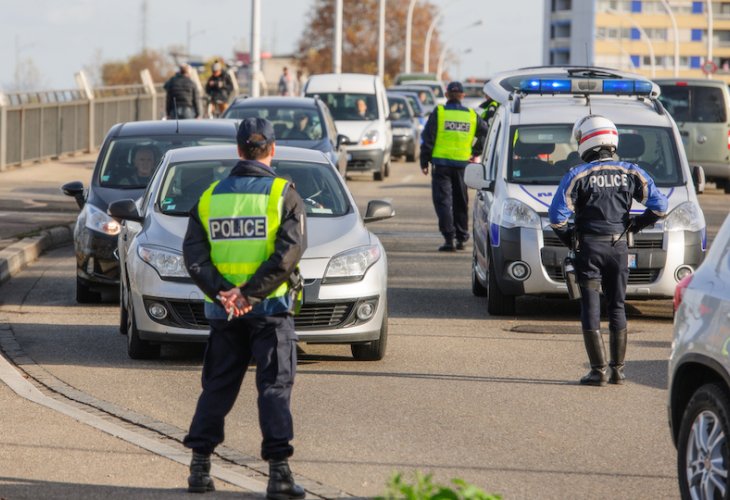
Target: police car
528,150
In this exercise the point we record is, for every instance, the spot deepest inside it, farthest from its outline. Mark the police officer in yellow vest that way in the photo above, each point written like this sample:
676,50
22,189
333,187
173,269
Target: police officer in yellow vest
448,142
244,241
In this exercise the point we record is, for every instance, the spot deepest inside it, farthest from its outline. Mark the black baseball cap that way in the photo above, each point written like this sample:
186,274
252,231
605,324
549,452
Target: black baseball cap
253,126
455,87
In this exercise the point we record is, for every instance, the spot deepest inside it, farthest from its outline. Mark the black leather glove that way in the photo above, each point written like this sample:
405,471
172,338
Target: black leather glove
565,235
639,222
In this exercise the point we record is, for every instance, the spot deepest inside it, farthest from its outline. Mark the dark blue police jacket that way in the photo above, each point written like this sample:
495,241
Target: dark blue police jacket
600,194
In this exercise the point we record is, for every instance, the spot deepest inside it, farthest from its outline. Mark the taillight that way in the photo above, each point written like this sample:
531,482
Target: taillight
681,84
728,139
679,291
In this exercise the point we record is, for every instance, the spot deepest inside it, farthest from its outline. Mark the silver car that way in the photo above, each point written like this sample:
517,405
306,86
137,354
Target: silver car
699,375
344,267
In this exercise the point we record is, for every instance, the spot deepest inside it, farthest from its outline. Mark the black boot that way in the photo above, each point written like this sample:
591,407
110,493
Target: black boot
597,358
448,246
617,350
281,483
199,480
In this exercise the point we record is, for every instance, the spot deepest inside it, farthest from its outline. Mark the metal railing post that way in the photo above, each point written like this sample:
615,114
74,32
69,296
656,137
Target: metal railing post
83,84
3,131
149,87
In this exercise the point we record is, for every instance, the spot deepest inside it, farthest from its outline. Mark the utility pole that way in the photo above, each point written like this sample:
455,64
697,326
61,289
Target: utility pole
337,47
409,28
255,47
381,40
144,25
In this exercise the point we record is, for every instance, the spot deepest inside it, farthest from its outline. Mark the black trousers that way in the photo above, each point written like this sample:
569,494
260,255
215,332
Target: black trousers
451,201
601,264
271,342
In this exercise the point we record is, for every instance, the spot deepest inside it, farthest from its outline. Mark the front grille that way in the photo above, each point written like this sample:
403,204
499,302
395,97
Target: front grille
317,315
550,240
651,244
360,164
636,276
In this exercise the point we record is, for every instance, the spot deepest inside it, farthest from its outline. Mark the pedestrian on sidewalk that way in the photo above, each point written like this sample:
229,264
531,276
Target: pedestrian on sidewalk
251,284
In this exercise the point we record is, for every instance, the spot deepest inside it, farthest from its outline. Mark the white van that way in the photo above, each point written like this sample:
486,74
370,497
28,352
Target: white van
529,149
359,105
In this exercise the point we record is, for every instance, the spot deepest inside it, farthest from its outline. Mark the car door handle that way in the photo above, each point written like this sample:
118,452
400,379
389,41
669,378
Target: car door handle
684,133
702,139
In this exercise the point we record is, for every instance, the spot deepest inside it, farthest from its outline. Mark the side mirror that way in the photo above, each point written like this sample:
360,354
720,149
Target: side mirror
75,189
475,176
698,177
124,210
378,210
343,140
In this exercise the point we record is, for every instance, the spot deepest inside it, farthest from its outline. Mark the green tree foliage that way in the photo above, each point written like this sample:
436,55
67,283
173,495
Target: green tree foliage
360,37
423,488
127,72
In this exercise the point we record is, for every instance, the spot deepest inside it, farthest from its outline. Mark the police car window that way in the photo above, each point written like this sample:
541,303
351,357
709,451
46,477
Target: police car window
318,186
184,183
351,106
123,163
542,154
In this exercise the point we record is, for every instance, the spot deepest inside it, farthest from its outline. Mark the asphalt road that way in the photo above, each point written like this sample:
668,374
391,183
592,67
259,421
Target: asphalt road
494,401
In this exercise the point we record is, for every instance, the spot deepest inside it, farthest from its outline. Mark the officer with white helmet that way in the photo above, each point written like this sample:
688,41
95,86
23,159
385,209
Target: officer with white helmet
599,193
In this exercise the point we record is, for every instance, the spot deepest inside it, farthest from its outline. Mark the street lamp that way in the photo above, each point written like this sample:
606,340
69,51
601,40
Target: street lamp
666,6
409,28
643,35
427,44
710,34
190,36
337,49
255,56
439,65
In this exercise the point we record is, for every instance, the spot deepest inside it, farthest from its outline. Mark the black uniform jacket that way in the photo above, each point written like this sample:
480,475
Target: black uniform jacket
291,241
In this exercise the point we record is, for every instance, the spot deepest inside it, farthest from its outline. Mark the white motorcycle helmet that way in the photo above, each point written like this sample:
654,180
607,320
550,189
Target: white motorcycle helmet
593,132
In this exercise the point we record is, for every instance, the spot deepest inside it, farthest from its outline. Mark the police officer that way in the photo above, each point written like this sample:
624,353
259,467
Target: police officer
244,241
600,193
448,142
489,109
182,95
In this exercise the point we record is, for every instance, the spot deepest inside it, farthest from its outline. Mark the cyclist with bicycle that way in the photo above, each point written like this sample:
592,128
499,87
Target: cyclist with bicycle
218,89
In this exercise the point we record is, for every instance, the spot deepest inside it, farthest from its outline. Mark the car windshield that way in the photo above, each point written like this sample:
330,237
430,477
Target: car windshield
129,162
697,104
542,154
424,96
473,91
347,106
316,183
415,103
435,87
398,108
290,123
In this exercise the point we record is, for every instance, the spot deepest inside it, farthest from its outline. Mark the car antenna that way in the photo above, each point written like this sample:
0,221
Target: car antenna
177,117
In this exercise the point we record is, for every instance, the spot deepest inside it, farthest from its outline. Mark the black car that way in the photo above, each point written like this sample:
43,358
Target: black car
127,159
406,128
302,122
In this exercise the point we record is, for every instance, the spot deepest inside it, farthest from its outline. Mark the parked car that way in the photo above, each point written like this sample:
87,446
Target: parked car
302,122
403,78
473,95
360,108
406,128
425,95
699,375
530,147
114,178
344,266
701,109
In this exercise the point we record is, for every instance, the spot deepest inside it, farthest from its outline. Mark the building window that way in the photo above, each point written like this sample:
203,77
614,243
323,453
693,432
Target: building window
724,9
635,6
697,7
636,61
635,34
694,62
696,35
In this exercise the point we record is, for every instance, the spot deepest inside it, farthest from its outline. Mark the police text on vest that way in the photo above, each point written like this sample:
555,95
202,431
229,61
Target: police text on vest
238,228
608,180
457,126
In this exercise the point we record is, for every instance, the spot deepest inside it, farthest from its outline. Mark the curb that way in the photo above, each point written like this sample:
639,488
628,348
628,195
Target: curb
16,257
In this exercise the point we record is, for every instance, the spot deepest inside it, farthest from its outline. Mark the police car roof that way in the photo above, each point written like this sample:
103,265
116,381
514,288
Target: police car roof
625,110
230,152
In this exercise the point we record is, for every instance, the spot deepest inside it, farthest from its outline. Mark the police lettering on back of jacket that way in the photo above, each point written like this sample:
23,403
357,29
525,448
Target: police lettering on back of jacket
600,193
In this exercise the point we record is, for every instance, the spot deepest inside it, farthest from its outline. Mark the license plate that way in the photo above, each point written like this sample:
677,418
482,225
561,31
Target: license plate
632,261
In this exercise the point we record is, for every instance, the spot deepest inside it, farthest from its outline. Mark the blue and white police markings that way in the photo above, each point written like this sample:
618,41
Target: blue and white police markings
238,228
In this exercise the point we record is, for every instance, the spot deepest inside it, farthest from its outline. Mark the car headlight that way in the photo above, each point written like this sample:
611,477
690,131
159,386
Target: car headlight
168,263
686,217
514,213
401,131
352,264
370,137
98,220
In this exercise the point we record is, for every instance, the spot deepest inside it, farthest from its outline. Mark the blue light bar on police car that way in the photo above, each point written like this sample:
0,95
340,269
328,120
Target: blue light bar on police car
585,86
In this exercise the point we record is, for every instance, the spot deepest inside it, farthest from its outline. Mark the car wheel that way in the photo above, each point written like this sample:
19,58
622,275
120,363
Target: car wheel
703,453
476,286
84,295
726,187
413,156
387,169
123,313
136,347
498,303
380,174
375,350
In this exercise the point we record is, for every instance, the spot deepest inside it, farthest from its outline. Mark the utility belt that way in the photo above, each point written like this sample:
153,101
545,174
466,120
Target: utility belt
609,238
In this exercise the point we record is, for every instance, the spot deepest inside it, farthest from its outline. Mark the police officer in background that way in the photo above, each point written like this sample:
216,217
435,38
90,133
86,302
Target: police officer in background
600,193
243,244
182,95
489,108
448,142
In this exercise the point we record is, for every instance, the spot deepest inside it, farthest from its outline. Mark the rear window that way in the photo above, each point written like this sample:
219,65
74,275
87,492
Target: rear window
349,106
290,123
542,154
126,162
698,104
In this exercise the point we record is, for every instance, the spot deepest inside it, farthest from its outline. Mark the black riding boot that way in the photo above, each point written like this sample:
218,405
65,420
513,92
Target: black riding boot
617,350
199,480
597,358
281,483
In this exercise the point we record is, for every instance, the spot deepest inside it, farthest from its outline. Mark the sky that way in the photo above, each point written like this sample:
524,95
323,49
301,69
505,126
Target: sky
60,37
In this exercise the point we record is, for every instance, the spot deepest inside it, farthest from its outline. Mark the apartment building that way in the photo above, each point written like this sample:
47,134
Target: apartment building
650,37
